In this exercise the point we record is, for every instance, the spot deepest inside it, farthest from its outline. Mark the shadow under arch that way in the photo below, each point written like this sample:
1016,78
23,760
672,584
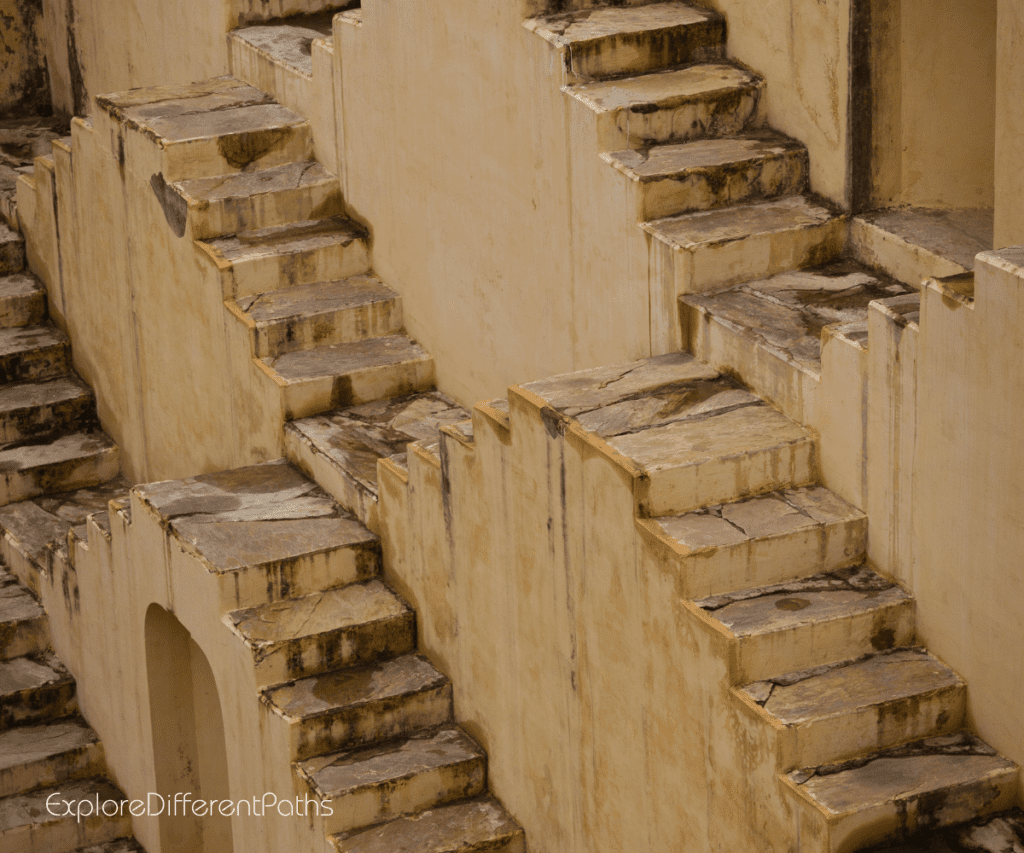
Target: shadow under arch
189,753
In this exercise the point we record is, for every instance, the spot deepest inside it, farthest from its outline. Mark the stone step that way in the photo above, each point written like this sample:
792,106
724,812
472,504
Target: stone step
301,637
329,377
35,756
765,539
265,531
200,130
769,332
33,352
712,249
76,460
26,824
360,705
696,102
888,795
44,407
24,628
340,449
998,833
710,173
268,10
620,41
323,313
840,711
12,250
35,689
699,437
473,826
814,621
255,262
245,201
120,845
381,782
22,300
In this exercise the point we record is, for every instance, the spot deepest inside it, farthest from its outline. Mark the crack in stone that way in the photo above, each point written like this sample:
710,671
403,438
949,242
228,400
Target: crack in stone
854,579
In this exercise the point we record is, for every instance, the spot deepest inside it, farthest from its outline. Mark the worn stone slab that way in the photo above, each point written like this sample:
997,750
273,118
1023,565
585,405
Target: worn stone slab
709,99
24,628
22,300
35,689
269,10
622,40
34,408
927,784
469,827
121,845
54,464
12,247
27,824
383,781
1000,833
48,754
33,352
321,314
289,42
363,704
708,173
299,637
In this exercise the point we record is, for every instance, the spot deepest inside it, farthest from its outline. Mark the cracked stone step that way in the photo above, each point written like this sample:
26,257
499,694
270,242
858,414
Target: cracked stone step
12,250
32,467
765,539
255,262
320,314
381,782
24,628
246,201
268,10
46,406
888,795
27,825
340,449
33,352
998,833
711,173
699,437
360,705
705,100
769,332
715,248
22,300
306,636
330,377
35,689
814,621
266,531
34,756
620,41
474,826
200,130
831,713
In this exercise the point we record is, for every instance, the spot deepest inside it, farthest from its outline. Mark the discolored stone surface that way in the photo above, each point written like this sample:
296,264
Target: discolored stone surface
294,238
12,246
22,299
33,409
33,352
78,459
48,754
25,818
956,234
289,41
35,689
24,629
1000,833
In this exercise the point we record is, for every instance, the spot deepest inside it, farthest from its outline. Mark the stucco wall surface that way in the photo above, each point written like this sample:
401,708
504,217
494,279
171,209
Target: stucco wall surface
24,82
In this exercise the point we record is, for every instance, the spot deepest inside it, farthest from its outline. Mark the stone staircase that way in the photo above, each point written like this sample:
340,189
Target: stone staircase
46,749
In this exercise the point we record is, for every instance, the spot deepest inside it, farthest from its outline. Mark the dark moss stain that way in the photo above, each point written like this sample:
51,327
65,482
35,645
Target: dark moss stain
242,149
79,94
175,207
554,422
29,95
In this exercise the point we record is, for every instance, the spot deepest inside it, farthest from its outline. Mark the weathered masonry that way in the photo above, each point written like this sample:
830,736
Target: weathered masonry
542,425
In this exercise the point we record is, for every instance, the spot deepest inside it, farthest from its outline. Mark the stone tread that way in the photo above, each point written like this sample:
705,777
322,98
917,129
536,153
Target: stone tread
347,771
998,833
202,192
287,42
23,624
47,754
120,845
12,246
51,457
32,352
905,773
272,10
25,812
346,358
22,300
476,825
594,25
35,407
831,691
718,227
34,688
956,235
824,597
279,240
318,298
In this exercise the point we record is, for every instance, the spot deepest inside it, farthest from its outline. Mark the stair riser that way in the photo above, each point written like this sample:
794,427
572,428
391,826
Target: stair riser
761,656
379,720
719,114
391,799
705,189
230,216
630,54
25,637
75,414
261,275
39,705
82,763
12,256
96,468
344,647
41,363
312,396
871,729
65,835
25,310
726,479
374,319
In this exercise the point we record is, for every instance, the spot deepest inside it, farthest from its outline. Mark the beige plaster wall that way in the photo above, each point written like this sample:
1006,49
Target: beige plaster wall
1009,142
